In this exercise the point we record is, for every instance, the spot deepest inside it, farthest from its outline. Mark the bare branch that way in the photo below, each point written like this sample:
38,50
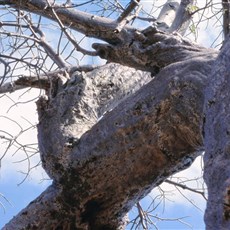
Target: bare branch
71,38
183,17
10,87
6,69
125,16
40,40
6,200
186,188
152,19
142,216
88,24
167,15
41,81
226,17
132,5
47,47
148,49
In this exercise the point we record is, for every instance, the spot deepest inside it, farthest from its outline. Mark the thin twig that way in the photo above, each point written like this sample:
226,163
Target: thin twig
186,188
125,16
69,36
132,5
141,215
40,40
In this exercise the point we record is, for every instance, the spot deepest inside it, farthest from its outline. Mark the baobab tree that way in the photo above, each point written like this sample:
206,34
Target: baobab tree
108,135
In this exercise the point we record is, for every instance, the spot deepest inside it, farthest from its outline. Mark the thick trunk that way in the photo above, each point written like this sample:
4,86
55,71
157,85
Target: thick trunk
217,143
109,136
131,149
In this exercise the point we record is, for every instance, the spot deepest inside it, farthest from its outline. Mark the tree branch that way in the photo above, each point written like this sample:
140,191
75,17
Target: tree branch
130,47
131,6
125,17
180,185
226,17
45,207
71,38
148,137
88,24
167,15
42,81
23,82
39,40
150,50
183,17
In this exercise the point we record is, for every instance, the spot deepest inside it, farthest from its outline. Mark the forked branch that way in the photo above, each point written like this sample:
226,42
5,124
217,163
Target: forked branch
183,17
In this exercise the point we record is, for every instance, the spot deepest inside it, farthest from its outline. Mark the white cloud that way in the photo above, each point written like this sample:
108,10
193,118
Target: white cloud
208,24
17,120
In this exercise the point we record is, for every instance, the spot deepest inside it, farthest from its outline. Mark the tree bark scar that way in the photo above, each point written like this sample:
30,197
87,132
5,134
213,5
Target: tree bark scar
92,207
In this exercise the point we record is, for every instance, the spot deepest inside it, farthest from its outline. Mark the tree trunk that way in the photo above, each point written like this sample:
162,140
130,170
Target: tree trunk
217,143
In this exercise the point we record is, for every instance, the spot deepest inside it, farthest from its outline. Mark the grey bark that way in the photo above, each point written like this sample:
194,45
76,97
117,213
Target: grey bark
167,15
183,17
149,136
217,143
109,136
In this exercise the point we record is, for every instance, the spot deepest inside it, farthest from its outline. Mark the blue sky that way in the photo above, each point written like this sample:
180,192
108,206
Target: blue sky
21,195
18,195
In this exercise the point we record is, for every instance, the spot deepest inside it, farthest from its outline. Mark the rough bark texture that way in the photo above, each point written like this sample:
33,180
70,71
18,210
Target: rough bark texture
217,144
131,149
109,136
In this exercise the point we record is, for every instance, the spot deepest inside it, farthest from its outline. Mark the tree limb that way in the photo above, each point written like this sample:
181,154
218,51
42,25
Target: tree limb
71,38
88,24
130,47
180,185
183,17
131,6
39,40
148,50
167,15
42,81
142,141
217,139
226,17
125,17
